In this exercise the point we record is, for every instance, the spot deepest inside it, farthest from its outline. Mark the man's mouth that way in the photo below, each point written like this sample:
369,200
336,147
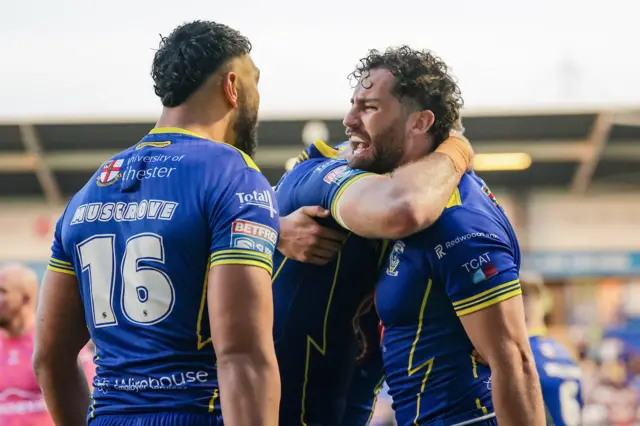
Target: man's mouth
358,145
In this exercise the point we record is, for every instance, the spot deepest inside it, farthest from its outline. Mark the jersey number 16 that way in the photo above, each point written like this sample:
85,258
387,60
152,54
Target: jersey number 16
147,295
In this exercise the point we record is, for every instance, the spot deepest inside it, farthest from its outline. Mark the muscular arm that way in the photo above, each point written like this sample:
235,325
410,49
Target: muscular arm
241,316
409,200
500,336
61,333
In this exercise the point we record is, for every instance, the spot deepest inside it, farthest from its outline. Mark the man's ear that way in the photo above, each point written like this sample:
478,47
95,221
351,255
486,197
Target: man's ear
230,88
422,121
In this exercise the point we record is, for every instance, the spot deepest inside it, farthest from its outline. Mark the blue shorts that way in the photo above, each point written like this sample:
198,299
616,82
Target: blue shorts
157,419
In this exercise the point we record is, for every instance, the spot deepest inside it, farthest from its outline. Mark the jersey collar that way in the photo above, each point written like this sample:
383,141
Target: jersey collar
318,149
177,130
538,332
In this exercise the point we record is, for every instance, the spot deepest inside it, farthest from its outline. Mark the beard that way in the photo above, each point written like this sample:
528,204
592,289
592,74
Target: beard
246,128
387,150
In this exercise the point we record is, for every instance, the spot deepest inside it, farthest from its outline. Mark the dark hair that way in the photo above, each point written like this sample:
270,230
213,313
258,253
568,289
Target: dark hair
190,55
424,79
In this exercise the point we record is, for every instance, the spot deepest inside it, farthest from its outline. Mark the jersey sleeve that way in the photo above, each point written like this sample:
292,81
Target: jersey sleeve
60,260
244,222
326,184
476,260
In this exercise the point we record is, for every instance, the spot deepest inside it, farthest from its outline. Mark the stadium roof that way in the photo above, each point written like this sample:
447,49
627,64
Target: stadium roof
570,151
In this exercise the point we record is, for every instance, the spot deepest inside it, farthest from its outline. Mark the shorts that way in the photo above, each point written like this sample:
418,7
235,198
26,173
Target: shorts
157,419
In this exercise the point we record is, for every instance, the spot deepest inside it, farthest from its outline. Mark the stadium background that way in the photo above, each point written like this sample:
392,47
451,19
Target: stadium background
554,115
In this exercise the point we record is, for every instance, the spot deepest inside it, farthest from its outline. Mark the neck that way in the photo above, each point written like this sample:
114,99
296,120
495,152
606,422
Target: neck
202,123
417,149
21,324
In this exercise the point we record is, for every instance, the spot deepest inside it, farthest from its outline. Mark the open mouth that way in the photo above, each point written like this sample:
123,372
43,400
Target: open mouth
359,146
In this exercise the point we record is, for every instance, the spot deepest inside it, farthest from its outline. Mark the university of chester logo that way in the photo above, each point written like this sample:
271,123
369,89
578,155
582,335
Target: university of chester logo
394,260
110,172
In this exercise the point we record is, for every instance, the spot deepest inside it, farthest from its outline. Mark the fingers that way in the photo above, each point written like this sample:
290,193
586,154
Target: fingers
331,234
314,211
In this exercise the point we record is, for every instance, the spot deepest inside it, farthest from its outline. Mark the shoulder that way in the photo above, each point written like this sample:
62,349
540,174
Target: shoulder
212,154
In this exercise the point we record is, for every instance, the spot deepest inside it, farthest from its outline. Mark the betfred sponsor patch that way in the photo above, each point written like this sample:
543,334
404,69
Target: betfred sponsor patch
253,236
334,174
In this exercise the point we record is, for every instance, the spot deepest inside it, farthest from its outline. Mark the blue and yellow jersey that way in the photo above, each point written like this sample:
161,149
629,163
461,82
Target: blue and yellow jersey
141,236
560,380
315,305
467,261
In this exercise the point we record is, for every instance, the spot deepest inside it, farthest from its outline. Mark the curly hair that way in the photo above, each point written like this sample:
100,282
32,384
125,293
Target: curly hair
423,79
190,55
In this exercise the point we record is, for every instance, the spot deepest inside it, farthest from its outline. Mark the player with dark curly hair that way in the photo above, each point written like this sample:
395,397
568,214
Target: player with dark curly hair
165,254
454,286
416,89
444,289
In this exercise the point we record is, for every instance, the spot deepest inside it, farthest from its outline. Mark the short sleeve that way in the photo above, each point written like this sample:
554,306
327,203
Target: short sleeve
60,260
244,222
327,183
477,260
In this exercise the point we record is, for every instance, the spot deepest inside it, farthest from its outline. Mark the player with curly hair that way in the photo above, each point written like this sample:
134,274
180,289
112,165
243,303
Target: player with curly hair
320,306
165,254
443,290
450,288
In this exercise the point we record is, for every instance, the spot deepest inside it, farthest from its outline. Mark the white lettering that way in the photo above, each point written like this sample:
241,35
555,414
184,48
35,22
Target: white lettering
154,208
130,213
142,209
167,210
118,214
92,212
106,212
147,209
180,380
78,216
474,264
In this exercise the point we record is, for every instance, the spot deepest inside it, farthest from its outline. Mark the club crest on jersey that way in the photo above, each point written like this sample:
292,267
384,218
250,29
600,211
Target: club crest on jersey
394,259
110,172
253,236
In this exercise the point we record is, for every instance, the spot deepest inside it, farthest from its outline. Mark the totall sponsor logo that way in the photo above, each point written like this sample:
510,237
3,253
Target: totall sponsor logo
261,199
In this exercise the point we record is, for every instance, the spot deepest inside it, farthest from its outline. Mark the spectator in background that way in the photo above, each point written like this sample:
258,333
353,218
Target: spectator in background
21,402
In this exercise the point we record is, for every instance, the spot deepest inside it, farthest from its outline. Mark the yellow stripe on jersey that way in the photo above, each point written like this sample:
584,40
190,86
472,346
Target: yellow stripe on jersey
57,265
325,149
344,186
487,298
454,200
180,131
242,257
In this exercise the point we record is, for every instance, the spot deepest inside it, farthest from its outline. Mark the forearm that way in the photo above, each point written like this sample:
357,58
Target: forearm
65,390
515,388
425,187
406,202
249,389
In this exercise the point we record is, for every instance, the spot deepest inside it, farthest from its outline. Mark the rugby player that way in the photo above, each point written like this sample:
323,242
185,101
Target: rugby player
315,305
453,286
165,254
559,373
